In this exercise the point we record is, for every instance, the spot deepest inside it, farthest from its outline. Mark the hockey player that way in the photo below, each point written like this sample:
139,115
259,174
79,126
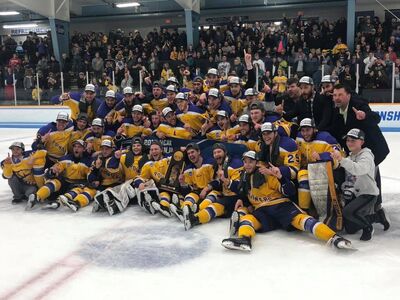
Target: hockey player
194,180
140,125
55,138
131,160
82,103
24,171
96,136
81,129
105,173
360,189
172,127
171,91
125,106
67,177
192,116
246,135
220,199
155,169
272,209
278,150
314,146
222,131
159,101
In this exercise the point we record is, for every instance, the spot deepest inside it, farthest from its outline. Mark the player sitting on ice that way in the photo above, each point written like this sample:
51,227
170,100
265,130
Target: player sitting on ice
24,171
220,199
194,180
104,175
68,178
314,147
360,190
272,209
151,174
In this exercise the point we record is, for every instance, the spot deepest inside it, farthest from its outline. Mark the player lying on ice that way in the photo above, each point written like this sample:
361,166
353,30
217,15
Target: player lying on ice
272,209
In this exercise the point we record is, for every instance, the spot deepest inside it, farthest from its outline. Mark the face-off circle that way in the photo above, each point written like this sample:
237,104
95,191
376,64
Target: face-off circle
144,247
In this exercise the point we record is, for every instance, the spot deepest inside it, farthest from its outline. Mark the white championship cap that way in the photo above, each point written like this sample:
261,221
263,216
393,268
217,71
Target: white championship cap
97,122
138,108
268,127
106,143
244,118
128,90
213,92
110,93
250,154
306,80
307,122
62,116
222,113
166,111
212,71
90,88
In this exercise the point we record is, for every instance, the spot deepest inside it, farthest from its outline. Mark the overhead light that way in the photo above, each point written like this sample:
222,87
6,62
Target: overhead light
9,13
127,4
15,26
278,23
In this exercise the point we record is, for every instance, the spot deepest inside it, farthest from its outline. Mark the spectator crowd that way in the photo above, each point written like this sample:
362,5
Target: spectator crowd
299,46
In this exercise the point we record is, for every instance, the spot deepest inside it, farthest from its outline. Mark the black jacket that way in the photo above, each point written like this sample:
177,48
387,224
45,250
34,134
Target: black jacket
374,138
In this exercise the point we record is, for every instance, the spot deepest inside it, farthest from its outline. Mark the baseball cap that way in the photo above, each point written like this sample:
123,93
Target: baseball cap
327,79
213,92
234,80
157,84
128,90
171,88
268,127
17,144
110,93
250,154
97,122
250,92
306,80
137,140
80,142
198,78
82,116
307,122
138,108
192,146
180,96
257,105
106,143
222,113
166,111
90,88
62,116
244,118
356,134
173,79
212,71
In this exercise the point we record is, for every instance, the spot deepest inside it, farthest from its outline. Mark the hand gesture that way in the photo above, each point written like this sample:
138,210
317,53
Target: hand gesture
360,115
98,163
46,137
181,179
146,122
247,57
120,131
8,160
118,154
315,156
56,169
279,109
275,171
233,118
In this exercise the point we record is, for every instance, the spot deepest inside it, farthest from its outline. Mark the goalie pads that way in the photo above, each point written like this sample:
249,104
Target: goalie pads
146,197
323,194
116,199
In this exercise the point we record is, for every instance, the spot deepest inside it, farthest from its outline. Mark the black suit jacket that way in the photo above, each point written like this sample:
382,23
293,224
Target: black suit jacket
374,138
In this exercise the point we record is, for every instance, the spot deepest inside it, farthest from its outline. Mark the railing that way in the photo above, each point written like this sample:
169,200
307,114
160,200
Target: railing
38,91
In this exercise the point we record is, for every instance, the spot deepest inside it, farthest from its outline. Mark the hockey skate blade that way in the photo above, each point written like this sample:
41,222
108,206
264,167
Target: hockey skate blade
50,206
161,210
175,211
231,246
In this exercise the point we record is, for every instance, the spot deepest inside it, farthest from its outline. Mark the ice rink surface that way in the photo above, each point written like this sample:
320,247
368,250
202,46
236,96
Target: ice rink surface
62,255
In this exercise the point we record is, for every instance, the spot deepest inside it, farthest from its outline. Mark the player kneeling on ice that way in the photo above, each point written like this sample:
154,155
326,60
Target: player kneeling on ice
272,209
360,190
24,171
106,176
67,178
